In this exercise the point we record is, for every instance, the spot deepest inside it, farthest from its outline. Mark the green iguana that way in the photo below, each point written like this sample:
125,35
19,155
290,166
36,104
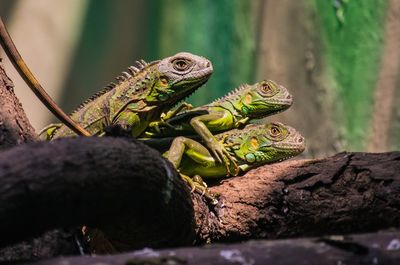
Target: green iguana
253,146
140,96
245,103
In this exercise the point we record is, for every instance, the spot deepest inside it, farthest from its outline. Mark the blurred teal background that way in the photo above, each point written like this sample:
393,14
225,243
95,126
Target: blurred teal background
339,58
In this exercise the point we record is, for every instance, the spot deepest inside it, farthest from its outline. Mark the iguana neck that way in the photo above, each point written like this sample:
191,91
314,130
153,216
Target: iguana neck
230,106
233,102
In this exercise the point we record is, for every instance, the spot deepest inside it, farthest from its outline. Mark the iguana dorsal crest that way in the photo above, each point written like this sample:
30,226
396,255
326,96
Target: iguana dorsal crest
231,93
125,76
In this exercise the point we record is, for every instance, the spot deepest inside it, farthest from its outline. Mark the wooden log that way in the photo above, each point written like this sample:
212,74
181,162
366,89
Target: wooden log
99,182
349,192
379,248
345,193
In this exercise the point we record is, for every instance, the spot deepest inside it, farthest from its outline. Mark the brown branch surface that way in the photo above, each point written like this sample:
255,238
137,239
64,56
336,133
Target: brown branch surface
346,193
381,249
14,125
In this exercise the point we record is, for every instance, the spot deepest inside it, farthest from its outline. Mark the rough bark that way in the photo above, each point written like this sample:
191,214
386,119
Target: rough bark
346,193
14,126
54,243
381,249
99,182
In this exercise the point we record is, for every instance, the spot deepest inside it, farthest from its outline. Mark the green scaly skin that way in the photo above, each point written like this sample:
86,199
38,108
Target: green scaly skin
253,146
140,97
247,102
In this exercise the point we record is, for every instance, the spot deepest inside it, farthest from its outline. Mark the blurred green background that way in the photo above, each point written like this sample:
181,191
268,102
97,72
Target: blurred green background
339,58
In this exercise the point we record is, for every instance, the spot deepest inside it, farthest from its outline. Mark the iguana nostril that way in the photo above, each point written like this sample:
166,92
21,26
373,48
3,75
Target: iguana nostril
289,96
208,64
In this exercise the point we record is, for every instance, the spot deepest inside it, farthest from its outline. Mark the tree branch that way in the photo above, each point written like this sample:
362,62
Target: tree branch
14,125
346,193
358,249
99,182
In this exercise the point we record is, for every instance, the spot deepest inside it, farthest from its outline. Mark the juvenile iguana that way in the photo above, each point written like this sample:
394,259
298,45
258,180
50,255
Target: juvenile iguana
234,110
140,96
253,146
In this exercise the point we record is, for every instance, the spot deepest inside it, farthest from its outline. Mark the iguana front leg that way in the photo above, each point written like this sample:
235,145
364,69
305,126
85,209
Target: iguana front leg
199,154
172,113
196,151
129,119
166,116
46,134
217,148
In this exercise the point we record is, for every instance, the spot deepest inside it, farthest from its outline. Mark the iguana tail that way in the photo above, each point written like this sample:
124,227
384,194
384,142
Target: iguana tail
33,83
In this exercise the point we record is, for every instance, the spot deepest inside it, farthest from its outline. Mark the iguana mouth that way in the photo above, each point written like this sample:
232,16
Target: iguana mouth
262,114
285,158
290,147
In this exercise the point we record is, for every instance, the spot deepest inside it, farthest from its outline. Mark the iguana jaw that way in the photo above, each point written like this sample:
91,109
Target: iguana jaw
266,109
189,90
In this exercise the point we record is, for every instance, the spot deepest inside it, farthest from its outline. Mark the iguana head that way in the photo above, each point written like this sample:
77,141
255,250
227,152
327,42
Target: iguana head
256,145
179,76
261,99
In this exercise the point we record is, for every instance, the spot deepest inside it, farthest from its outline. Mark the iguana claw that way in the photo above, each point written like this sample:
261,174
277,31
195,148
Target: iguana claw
224,157
163,122
172,113
198,185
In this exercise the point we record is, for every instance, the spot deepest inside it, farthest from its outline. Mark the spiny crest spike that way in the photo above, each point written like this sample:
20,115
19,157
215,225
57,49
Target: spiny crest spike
242,86
110,86
93,97
140,65
120,79
232,92
126,75
133,69
239,88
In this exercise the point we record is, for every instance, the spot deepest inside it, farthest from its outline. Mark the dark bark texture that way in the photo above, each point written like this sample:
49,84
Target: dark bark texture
111,184
105,183
14,125
371,249
346,193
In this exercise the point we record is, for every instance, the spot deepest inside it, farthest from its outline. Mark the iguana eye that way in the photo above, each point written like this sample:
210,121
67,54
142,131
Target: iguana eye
180,64
274,131
267,89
